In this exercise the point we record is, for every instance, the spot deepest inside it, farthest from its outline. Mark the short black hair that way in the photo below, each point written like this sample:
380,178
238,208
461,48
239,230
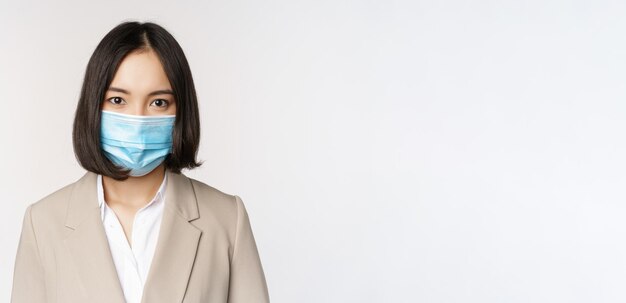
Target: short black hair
112,49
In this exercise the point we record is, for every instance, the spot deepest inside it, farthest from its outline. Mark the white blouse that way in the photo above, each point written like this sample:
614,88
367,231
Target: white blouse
133,264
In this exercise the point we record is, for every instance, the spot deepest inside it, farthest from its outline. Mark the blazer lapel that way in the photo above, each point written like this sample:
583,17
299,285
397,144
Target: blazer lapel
88,244
177,244
174,254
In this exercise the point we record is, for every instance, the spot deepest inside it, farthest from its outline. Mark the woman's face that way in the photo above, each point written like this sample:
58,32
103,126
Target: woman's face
140,87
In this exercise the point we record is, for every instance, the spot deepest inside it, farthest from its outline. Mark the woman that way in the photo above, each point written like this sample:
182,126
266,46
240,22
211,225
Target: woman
133,228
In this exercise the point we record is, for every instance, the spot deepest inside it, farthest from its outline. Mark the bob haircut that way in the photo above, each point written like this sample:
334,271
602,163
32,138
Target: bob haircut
123,39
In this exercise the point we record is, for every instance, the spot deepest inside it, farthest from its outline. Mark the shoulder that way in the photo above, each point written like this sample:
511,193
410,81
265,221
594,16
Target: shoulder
208,191
48,213
53,204
218,205
210,196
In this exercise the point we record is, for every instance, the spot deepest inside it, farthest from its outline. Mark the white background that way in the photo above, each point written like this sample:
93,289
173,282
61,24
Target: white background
387,151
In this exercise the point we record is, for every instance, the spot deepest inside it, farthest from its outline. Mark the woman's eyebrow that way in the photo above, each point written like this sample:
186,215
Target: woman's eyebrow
156,92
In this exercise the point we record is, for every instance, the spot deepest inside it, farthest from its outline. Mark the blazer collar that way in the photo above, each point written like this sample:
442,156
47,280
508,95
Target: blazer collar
173,257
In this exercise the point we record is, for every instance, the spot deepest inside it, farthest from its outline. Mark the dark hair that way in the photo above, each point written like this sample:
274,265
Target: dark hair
120,41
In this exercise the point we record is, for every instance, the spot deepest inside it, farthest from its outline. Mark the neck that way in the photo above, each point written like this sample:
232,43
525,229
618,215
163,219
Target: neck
134,192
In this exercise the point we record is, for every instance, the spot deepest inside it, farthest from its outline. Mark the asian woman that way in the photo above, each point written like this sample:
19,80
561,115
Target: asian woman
134,228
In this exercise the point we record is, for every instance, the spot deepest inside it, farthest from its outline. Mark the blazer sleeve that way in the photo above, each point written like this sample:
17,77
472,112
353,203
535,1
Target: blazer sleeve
247,280
28,274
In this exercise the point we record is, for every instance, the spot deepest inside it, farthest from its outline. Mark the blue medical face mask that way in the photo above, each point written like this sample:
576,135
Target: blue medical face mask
138,143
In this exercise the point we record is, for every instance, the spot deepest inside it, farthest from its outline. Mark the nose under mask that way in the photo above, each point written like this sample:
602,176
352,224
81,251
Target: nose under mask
138,143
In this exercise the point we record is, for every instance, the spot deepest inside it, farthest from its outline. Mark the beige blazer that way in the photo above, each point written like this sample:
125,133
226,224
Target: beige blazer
205,251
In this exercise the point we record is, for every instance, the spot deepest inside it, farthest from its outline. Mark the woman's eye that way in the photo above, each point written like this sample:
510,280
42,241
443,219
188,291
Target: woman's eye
160,102
116,100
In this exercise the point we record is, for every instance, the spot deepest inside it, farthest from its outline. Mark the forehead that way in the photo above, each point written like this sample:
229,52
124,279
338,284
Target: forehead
141,72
